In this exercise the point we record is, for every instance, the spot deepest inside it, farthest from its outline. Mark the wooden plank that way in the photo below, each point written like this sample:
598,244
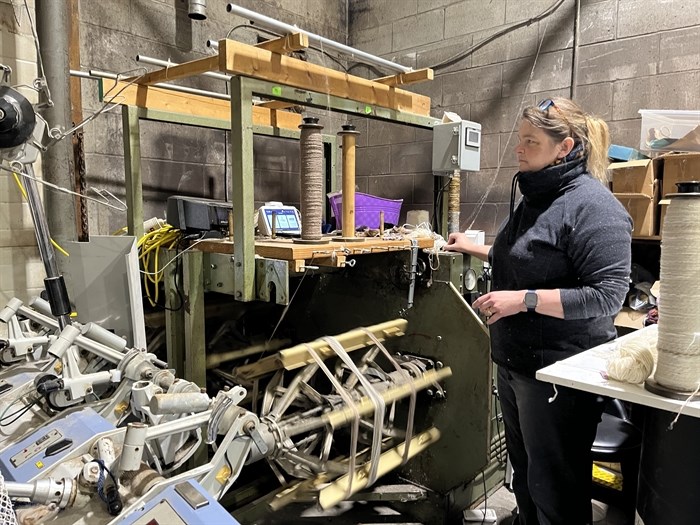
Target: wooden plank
412,77
286,249
298,356
150,97
286,44
275,104
237,58
187,69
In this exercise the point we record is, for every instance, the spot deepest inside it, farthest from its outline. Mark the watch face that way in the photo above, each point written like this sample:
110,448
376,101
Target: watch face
531,299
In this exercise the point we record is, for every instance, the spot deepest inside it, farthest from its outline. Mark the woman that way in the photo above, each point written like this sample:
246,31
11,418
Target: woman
561,265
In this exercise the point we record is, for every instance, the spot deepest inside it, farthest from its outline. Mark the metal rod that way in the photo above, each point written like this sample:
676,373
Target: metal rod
167,63
325,43
100,350
43,237
95,74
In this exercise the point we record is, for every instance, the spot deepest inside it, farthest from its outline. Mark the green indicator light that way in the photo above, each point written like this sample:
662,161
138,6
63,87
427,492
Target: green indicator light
277,90
368,110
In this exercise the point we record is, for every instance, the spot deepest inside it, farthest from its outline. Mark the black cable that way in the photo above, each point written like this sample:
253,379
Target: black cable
19,414
456,58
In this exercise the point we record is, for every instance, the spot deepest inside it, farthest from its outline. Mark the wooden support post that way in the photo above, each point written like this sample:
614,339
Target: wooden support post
242,190
193,290
349,137
132,171
286,44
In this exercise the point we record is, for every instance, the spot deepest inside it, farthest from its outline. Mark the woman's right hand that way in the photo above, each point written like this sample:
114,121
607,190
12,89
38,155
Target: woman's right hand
459,242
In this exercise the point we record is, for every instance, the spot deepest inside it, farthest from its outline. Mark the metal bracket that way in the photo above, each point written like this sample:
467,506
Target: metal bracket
273,272
219,274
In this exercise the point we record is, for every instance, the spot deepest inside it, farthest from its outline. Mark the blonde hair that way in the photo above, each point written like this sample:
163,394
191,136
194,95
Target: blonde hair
564,118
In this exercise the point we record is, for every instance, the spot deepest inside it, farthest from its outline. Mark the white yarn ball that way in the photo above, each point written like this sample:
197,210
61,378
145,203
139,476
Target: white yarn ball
632,362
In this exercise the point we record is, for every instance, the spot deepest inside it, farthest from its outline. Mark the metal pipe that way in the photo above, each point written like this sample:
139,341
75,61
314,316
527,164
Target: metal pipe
167,63
325,43
94,74
100,350
41,228
182,403
53,28
575,54
104,336
178,425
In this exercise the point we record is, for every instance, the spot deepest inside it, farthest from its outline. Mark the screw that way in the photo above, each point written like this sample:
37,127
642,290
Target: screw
219,285
239,295
439,338
239,264
213,267
429,392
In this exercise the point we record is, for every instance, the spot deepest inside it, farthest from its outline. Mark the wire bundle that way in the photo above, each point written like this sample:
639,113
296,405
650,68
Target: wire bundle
149,252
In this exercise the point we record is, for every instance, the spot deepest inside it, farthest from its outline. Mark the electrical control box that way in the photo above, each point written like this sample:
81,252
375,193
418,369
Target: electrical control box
456,145
285,220
48,445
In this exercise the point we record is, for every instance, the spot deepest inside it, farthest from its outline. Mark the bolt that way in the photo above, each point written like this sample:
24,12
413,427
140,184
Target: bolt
429,392
439,338
213,267
94,470
227,388
239,264
239,295
219,285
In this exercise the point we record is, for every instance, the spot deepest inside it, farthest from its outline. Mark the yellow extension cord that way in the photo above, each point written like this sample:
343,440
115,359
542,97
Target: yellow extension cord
24,194
149,250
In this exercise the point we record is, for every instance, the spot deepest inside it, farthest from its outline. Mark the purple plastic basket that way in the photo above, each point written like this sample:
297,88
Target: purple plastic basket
367,208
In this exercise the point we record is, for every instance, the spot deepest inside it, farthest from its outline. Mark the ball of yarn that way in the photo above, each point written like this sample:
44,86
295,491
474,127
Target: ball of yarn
632,362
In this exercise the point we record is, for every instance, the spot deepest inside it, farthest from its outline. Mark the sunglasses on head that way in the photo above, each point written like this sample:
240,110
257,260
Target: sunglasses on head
546,104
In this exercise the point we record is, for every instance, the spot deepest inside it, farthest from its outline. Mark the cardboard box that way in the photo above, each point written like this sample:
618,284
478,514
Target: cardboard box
635,185
679,167
629,318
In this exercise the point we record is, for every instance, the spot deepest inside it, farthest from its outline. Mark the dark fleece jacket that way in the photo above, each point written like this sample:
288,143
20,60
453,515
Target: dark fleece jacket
569,232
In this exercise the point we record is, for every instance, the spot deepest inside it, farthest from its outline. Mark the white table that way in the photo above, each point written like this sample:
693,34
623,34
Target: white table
586,371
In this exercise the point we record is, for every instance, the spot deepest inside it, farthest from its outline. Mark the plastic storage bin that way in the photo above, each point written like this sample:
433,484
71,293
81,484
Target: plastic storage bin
661,128
367,208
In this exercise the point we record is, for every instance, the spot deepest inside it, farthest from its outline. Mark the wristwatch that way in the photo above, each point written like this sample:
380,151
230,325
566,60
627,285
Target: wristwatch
530,300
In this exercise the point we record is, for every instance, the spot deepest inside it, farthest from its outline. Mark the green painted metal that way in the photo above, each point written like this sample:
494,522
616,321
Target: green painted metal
174,316
132,171
242,189
442,327
193,291
313,99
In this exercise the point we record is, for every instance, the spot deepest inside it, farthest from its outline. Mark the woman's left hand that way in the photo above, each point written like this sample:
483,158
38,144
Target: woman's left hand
497,305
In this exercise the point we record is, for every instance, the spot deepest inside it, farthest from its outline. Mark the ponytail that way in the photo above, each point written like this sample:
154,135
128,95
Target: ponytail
597,148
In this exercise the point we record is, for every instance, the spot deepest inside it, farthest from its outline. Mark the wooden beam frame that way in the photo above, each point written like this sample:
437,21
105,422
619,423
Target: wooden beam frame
286,44
185,70
412,77
161,99
236,58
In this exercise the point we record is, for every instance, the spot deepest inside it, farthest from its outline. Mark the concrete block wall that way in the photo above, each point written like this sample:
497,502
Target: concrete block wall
633,54
175,158
21,270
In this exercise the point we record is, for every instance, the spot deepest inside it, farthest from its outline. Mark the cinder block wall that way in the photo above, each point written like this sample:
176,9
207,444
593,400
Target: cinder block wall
21,270
180,159
633,54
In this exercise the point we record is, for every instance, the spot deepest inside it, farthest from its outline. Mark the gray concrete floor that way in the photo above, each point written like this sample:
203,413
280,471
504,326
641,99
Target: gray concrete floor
374,513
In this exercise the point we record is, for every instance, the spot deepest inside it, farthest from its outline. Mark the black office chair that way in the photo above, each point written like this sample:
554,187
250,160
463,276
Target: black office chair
618,440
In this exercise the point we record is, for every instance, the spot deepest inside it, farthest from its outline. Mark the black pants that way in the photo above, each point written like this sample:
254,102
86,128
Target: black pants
549,445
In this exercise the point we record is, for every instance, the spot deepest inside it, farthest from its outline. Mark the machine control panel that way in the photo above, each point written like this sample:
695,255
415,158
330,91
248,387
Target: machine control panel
36,448
38,451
